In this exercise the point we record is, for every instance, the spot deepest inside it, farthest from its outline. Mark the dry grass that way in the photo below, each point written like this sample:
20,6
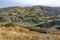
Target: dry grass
18,33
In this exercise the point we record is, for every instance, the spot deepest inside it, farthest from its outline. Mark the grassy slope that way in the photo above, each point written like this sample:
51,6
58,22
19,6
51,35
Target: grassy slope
18,33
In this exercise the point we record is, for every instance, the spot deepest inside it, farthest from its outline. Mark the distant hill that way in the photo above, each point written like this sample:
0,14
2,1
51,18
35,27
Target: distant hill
44,8
32,15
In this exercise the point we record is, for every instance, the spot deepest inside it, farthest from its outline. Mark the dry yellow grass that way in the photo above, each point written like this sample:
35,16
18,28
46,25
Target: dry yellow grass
18,33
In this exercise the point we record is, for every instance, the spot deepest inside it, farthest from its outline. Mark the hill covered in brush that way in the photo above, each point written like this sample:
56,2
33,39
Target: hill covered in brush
28,15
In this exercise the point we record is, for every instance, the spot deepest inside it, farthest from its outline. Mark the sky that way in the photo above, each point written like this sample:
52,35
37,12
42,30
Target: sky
8,3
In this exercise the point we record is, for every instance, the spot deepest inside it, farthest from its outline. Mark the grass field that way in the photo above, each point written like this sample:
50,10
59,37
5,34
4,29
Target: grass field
19,33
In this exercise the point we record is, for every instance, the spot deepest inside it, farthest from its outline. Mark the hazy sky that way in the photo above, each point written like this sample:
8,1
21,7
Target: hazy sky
7,3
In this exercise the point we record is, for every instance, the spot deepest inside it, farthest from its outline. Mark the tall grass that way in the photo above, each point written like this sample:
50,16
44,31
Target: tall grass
19,33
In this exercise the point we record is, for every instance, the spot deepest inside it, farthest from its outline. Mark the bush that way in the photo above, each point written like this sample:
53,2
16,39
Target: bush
58,28
40,30
9,24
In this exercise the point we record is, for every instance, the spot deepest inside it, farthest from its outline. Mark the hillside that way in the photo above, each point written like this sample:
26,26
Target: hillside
29,23
18,33
28,15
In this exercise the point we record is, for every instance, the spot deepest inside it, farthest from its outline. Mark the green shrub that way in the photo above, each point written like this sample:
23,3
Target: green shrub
9,24
40,30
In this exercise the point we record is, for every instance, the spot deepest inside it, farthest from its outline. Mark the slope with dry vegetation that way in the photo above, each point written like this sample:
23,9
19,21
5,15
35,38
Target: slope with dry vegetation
19,33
